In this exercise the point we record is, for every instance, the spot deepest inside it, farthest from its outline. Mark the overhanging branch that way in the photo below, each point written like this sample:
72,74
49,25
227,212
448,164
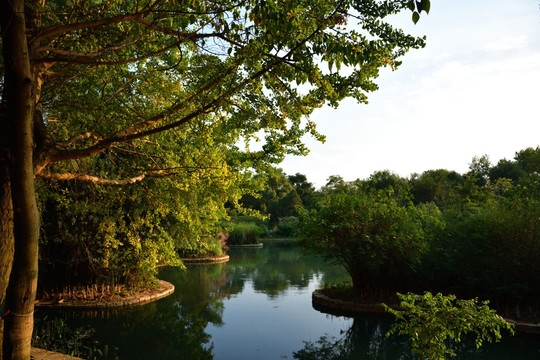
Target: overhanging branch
90,179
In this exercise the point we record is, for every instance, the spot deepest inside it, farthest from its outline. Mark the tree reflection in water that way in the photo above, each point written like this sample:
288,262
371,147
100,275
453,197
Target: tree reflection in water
181,326
365,340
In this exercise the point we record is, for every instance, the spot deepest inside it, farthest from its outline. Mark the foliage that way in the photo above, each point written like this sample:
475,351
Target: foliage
276,198
417,6
377,238
98,236
528,159
390,182
56,335
439,186
430,320
287,227
506,169
304,189
244,233
479,169
492,248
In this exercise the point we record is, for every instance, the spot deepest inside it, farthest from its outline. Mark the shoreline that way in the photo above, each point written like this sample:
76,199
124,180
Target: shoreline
335,306
165,289
246,246
206,260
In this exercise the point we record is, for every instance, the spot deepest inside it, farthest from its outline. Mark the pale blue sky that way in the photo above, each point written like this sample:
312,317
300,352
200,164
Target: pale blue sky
473,90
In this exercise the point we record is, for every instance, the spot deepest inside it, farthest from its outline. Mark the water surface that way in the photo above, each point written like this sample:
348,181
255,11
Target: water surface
258,306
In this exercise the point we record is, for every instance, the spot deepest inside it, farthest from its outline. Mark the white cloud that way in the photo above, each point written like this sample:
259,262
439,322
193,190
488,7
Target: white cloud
508,43
472,91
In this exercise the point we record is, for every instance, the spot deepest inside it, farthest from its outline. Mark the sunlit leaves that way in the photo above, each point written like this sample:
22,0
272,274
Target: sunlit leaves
171,89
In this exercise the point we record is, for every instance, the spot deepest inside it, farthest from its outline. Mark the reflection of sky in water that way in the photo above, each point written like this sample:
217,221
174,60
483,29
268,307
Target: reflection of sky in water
259,327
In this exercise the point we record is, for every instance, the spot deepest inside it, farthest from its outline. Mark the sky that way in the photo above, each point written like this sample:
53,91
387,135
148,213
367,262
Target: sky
473,90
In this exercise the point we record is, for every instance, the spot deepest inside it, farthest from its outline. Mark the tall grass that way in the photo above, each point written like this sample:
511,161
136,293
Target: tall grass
245,233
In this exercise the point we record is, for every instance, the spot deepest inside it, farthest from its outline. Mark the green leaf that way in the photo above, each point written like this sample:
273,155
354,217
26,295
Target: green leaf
427,5
415,17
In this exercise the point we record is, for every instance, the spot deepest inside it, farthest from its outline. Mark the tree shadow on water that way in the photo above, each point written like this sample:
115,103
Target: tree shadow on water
365,340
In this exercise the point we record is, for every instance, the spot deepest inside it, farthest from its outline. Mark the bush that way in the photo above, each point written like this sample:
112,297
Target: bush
245,233
492,248
375,236
199,249
430,320
100,236
287,227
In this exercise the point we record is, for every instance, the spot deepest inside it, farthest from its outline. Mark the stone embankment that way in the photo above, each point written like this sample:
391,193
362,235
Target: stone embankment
165,289
327,304
206,260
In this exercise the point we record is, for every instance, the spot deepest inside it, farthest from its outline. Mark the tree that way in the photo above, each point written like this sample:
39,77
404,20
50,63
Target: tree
386,180
304,189
83,78
506,169
479,169
440,186
277,197
528,159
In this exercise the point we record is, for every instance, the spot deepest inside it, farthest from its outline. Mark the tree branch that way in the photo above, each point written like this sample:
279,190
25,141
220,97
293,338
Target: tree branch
61,29
89,179
83,59
138,131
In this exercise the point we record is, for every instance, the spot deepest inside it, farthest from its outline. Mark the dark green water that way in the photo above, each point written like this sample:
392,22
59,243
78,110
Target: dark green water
258,306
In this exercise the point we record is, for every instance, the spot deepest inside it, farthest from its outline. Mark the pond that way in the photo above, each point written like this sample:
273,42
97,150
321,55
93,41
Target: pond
258,306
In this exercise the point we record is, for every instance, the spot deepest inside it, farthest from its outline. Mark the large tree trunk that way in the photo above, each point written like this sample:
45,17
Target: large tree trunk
19,106
6,232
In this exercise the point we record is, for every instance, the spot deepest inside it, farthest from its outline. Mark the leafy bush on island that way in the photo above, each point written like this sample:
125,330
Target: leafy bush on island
245,233
378,237
97,236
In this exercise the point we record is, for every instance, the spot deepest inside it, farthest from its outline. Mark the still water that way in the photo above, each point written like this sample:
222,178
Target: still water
258,306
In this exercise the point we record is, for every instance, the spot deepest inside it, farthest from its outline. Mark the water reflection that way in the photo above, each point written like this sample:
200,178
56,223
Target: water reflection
365,339
257,306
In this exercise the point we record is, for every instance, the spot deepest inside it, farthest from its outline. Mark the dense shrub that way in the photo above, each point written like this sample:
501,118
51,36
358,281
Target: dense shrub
198,249
287,227
100,236
372,233
244,233
492,248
